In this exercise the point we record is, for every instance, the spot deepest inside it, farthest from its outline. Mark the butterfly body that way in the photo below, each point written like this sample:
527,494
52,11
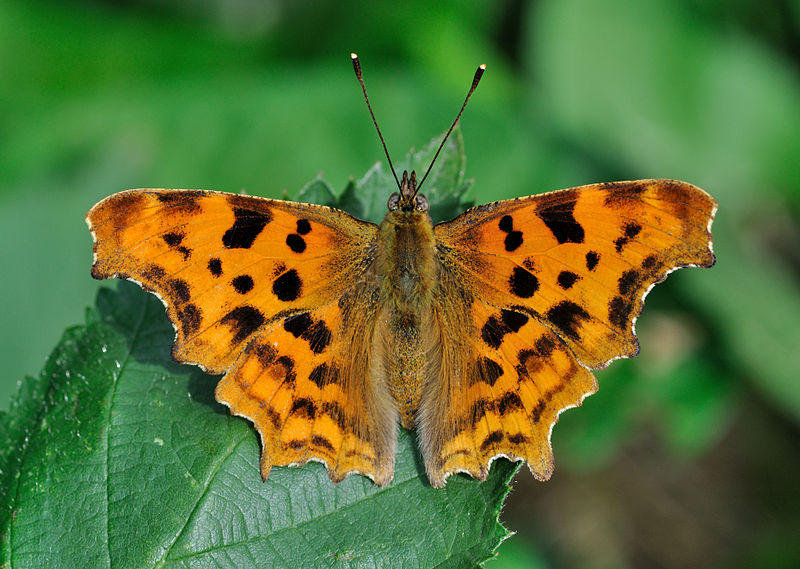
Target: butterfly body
407,270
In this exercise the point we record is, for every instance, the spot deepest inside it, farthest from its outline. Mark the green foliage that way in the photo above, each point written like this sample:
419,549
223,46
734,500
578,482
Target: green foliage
115,456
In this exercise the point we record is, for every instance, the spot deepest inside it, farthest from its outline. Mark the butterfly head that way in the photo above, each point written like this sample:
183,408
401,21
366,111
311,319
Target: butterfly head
408,199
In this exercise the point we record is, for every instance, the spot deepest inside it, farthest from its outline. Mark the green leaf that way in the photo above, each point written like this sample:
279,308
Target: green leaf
445,186
317,191
116,456
371,193
350,200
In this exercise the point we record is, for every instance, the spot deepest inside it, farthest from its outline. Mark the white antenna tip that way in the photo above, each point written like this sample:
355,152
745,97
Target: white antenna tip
482,65
353,56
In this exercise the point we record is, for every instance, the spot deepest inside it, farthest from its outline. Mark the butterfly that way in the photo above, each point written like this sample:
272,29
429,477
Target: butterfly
477,332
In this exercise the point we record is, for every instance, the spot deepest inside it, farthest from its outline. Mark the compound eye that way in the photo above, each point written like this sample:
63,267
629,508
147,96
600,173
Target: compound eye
394,201
422,203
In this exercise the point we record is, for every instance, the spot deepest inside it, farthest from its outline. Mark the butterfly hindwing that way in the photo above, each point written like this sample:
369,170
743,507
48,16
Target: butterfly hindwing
309,392
263,290
507,379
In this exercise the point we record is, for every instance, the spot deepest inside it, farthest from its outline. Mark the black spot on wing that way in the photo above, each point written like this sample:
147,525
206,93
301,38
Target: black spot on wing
649,262
179,290
523,284
316,333
619,311
528,263
322,442
215,266
244,320
632,230
492,333
621,192
491,440
190,317
628,282
296,243
510,401
304,406
518,439
173,239
318,337
629,232
513,320
185,200
478,411
544,346
290,376
298,324
247,225
243,284
153,273
338,415
531,361
319,374
592,258
559,219
288,286
265,353
488,370
536,412
513,238
566,279
274,417
566,317
528,363
303,227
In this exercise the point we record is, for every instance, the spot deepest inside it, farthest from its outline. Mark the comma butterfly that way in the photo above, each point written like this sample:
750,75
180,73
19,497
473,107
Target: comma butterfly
477,332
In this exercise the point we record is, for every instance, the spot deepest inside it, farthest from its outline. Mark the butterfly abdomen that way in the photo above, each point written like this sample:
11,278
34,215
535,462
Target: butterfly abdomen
407,270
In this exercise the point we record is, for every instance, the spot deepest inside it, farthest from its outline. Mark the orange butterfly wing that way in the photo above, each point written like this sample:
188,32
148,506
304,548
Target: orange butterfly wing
269,292
552,285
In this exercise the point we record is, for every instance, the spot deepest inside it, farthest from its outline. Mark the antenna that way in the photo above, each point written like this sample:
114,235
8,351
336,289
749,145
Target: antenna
475,80
357,69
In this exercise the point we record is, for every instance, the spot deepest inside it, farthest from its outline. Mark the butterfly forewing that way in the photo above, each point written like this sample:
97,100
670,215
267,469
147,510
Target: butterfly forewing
581,260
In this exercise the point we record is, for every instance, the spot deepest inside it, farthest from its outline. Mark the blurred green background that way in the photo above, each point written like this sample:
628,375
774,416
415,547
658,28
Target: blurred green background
689,455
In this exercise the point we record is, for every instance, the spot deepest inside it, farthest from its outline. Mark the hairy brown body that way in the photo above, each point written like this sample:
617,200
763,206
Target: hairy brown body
407,270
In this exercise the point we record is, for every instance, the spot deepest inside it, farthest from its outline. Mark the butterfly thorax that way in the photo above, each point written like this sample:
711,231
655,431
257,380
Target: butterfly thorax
407,269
